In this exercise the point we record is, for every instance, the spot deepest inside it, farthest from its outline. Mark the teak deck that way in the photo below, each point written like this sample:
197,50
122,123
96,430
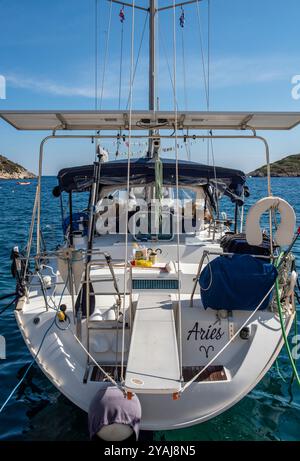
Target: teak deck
212,373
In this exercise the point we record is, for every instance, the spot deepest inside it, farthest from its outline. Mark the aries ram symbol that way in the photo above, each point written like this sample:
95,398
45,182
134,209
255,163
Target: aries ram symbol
206,349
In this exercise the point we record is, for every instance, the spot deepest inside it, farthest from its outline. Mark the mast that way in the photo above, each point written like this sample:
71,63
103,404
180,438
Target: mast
152,63
153,10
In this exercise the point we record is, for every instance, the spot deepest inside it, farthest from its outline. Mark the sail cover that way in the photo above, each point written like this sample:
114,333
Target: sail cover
142,171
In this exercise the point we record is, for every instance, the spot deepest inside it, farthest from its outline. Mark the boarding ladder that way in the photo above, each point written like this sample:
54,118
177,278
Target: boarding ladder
104,271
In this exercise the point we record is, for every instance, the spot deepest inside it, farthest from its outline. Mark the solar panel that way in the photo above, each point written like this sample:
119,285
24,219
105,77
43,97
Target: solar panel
145,120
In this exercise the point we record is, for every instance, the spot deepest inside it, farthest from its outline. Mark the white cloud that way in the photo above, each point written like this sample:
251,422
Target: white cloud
231,71
226,72
49,87
81,89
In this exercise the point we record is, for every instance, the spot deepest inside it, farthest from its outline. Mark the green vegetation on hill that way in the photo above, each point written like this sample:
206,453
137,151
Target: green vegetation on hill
11,170
288,166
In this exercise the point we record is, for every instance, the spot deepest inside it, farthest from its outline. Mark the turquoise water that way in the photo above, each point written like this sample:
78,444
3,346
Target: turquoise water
39,412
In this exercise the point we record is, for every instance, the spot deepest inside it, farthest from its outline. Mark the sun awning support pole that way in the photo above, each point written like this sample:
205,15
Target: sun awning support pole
236,211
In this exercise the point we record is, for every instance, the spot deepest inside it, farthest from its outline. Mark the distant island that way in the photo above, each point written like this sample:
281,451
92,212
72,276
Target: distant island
288,166
11,170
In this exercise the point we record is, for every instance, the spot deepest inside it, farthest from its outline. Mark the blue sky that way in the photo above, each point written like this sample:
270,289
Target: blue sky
47,55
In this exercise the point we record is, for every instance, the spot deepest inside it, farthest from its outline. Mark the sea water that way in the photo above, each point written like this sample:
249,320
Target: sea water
38,411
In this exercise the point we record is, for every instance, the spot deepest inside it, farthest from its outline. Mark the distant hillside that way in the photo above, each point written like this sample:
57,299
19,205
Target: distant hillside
288,166
11,170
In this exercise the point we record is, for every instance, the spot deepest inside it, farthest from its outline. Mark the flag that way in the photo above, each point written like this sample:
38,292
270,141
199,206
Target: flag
122,15
182,18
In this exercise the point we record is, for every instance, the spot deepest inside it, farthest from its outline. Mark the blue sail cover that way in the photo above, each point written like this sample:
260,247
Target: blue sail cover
239,282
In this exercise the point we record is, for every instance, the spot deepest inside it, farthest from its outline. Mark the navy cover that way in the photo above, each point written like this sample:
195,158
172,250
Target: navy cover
239,282
142,171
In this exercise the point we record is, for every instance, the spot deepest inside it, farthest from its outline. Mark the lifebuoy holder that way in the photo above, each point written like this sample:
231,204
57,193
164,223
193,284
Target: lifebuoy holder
285,231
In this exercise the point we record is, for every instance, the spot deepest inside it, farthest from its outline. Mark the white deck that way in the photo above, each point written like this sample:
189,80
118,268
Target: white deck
153,362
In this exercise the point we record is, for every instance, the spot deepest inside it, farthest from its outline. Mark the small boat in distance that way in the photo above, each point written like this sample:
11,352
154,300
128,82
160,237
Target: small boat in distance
23,183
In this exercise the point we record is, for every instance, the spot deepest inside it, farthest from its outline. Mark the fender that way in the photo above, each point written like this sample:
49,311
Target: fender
285,231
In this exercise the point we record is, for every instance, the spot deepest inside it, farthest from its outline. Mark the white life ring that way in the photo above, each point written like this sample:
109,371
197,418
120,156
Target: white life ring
285,231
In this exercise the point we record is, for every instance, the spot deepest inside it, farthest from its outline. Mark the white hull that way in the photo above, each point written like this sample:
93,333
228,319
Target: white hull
244,362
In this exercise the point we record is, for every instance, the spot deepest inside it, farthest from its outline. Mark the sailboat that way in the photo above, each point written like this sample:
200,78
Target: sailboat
157,311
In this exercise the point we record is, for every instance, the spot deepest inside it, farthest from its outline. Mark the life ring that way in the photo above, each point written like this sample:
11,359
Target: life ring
285,230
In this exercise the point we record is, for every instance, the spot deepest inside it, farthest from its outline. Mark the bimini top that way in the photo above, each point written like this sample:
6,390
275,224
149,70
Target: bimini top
145,120
142,171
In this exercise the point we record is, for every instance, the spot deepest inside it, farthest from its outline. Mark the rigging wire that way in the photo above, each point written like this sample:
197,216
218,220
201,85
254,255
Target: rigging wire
208,51
105,55
138,56
96,54
202,55
8,296
96,66
157,65
122,19
206,77
177,187
8,305
162,39
128,186
27,369
183,63
208,92
35,356
182,24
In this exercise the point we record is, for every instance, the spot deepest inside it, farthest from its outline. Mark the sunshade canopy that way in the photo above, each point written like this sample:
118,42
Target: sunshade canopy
143,120
142,171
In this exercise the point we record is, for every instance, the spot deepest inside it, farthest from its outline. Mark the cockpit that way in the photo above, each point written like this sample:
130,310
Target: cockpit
147,209
150,217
